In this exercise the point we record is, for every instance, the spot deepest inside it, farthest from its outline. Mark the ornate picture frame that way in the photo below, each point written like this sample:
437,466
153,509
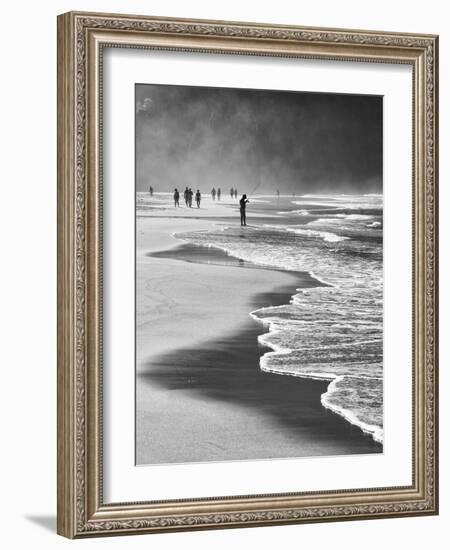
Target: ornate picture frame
82,40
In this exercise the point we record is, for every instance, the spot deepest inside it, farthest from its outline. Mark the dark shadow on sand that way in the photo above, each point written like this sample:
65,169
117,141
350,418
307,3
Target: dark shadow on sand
227,369
209,255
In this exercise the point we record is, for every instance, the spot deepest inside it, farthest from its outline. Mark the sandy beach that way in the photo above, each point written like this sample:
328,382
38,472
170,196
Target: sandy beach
200,394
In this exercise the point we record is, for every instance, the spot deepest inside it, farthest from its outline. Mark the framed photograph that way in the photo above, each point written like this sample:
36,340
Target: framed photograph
247,274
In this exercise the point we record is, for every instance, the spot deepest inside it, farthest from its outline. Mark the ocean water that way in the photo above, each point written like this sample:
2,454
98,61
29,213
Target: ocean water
333,331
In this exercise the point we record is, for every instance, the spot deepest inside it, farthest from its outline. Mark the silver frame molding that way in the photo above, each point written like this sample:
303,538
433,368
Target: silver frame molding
81,39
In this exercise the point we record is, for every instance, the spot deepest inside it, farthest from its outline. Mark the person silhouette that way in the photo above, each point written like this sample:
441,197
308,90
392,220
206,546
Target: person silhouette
213,194
219,192
242,206
198,198
176,197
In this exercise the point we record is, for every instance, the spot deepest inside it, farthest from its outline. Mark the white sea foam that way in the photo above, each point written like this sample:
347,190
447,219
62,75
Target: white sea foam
350,202
352,416
314,203
302,230
354,216
298,212
318,278
325,235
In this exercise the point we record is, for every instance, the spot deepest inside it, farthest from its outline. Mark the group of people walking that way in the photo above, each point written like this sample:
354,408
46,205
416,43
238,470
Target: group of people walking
188,196
218,193
214,193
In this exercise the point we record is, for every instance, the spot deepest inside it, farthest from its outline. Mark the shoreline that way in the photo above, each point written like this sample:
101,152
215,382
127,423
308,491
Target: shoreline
213,255
220,387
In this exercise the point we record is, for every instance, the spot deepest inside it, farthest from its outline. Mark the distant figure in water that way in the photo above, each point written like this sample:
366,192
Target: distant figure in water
278,194
176,197
198,198
213,194
219,192
186,196
293,194
190,195
235,193
150,190
243,203
231,192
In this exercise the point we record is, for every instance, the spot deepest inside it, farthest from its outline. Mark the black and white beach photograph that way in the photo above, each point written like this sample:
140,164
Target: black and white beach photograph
259,274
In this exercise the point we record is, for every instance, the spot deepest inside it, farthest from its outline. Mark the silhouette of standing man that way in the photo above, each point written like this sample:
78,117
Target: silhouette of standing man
176,197
243,203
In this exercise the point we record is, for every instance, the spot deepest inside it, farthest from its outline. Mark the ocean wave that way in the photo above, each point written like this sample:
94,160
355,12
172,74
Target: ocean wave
314,203
298,212
337,396
325,235
353,396
350,202
314,275
354,216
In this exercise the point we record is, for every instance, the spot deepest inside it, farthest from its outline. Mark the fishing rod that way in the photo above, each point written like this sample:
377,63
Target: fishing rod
255,157
255,188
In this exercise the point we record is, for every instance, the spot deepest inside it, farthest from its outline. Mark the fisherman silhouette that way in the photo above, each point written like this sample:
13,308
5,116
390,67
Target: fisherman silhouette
243,203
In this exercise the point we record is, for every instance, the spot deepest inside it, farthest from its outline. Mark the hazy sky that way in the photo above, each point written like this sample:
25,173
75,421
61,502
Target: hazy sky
257,140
